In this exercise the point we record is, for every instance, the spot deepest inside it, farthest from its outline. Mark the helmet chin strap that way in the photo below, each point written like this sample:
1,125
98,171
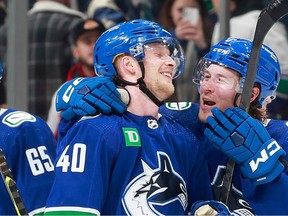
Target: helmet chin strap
142,85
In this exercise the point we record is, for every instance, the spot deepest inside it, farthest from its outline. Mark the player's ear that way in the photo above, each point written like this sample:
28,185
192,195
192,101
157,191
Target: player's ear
126,67
128,62
255,93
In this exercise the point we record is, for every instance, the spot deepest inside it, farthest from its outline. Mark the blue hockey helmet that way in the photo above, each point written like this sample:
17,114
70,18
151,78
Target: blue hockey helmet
130,38
234,53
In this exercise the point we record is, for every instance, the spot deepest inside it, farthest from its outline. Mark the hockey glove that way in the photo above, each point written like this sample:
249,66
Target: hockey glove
245,140
209,208
90,96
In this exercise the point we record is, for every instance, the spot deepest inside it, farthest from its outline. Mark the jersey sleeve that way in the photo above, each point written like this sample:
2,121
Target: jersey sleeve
278,129
267,199
83,164
270,198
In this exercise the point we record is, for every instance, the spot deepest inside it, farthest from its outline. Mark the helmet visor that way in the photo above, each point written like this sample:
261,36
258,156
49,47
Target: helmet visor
164,47
211,73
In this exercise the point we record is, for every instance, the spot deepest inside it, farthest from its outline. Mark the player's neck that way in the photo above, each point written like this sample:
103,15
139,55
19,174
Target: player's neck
140,104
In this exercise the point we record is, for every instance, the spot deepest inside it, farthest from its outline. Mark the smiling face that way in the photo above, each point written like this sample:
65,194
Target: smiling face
218,88
159,70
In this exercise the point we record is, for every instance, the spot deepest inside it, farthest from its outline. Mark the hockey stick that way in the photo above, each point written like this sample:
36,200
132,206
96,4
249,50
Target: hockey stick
11,186
268,16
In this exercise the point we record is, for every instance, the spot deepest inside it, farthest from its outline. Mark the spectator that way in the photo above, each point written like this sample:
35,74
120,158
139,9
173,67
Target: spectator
111,12
244,15
83,38
49,25
29,147
194,35
105,11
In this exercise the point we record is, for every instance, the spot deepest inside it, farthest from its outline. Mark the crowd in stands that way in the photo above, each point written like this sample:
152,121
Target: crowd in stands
50,24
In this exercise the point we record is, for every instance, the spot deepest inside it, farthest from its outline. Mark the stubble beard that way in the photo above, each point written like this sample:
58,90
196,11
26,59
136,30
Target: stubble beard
162,90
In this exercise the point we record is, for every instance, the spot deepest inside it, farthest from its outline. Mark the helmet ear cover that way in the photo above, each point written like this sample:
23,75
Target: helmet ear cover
234,53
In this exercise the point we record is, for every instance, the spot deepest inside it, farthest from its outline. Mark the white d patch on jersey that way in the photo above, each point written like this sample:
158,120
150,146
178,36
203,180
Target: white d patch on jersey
14,119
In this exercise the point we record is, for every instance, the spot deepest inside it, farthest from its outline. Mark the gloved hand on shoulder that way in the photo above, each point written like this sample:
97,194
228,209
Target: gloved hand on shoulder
90,96
245,140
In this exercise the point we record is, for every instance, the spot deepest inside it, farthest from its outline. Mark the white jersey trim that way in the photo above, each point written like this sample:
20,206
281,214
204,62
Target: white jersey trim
73,208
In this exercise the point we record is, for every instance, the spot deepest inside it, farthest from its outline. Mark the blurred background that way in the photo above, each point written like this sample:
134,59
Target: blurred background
36,47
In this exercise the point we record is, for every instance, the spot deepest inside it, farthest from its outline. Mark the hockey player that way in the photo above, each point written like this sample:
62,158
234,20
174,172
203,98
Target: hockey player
220,76
140,163
229,61
29,147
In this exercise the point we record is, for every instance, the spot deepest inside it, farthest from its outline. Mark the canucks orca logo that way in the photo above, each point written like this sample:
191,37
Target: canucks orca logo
178,105
154,188
16,118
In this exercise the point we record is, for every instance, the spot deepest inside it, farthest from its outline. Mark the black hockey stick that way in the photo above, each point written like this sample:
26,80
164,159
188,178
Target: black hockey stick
11,185
268,16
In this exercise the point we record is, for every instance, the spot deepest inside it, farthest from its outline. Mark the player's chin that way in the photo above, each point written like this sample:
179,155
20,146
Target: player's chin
170,89
203,115
165,91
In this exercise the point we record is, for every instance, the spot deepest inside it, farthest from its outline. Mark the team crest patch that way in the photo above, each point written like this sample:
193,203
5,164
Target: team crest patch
178,105
16,118
154,189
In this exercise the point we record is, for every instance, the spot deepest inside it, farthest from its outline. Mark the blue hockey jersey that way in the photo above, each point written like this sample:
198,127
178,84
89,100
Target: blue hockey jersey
128,165
268,199
29,147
